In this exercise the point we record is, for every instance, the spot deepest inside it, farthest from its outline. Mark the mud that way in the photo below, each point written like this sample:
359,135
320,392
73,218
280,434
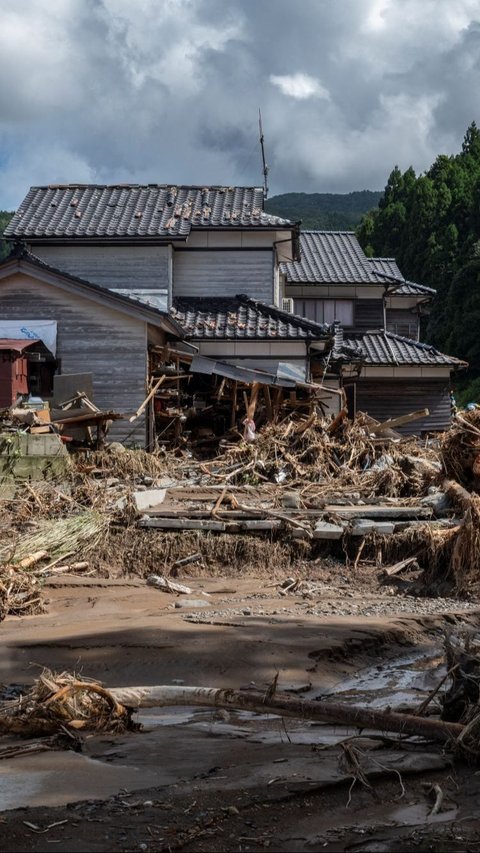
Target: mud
203,780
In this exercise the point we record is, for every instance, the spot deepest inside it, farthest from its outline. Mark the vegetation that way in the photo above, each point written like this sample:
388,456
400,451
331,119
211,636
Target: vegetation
324,211
431,224
5,218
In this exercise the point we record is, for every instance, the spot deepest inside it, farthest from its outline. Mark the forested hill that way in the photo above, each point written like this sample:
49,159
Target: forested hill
5,218
324,211
431,224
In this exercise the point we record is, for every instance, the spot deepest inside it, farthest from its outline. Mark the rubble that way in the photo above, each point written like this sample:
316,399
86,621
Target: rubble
306,487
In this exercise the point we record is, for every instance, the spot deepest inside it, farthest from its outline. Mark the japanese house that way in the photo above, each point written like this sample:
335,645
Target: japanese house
384,368
163,257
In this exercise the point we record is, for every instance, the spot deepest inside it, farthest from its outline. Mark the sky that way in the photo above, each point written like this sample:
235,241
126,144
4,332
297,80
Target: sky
168,91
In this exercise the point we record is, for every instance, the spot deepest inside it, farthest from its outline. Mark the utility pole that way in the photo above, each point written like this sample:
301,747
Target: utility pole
264,164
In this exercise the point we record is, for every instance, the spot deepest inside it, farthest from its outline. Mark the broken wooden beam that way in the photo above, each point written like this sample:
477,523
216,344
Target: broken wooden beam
284,705
400,421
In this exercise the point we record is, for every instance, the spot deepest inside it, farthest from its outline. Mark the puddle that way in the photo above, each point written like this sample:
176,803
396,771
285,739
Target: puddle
403,681
240,742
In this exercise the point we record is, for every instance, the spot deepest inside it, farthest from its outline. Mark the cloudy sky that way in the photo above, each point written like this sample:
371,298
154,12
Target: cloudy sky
169,90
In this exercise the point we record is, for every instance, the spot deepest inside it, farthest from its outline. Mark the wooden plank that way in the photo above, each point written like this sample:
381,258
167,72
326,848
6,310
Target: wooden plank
182,524
261,524
379,511
147,399
400,421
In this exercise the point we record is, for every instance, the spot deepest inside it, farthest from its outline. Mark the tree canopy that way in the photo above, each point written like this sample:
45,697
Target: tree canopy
5,218
431,224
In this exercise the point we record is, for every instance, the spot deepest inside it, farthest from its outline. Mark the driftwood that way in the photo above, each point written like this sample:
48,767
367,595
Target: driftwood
284,705
166,585
459,495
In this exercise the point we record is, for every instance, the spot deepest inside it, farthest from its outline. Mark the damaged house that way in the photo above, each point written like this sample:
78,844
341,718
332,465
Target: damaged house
160,288
382,365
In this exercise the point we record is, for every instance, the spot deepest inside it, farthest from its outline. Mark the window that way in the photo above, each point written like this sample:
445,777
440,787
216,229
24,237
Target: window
326,310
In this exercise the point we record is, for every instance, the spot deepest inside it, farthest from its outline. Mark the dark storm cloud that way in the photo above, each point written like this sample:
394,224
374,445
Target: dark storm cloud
169,90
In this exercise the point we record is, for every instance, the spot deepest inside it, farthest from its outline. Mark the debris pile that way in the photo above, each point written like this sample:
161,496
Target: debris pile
306,488
77,420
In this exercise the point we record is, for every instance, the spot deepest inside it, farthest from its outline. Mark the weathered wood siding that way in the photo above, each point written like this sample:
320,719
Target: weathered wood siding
402,322
389,398
90,339
368,315
224,273
115,267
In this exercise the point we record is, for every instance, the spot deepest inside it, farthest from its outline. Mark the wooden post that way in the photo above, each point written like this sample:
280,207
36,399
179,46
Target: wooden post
268,402
233,419
253,400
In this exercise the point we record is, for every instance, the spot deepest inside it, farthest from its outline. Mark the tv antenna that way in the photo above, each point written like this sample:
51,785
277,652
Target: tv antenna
264,163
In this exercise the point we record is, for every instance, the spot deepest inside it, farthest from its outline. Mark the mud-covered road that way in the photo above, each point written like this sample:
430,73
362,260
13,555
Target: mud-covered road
214,780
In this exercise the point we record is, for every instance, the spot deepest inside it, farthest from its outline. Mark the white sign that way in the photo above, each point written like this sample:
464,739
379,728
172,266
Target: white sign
33,330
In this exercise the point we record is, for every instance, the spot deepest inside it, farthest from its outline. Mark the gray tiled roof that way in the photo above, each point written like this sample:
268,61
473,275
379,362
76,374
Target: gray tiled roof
382,348
241,318
388,271
387,267
336,257
330,256
131,210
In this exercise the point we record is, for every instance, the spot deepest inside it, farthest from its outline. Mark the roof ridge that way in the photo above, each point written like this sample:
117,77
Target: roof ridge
284,315
152,185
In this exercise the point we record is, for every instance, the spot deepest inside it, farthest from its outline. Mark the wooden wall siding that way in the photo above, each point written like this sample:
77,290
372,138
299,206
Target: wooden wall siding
384,399
368,315
91,338
116,267
403,323
224,273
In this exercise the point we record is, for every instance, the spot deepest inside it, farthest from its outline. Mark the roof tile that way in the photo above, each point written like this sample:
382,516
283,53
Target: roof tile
385,348
153,210
241,318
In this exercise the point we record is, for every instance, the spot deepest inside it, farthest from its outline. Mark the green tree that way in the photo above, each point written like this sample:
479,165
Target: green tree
5,218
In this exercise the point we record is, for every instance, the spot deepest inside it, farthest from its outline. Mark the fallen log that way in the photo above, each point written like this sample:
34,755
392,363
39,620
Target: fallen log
458,495
285,705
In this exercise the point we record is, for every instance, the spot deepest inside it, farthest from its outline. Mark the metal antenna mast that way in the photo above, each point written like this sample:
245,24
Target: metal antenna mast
262,146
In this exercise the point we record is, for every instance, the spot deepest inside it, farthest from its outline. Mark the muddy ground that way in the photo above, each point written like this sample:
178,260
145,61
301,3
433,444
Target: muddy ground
201,780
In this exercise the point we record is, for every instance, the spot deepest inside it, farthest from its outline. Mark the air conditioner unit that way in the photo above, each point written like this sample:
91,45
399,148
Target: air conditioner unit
287,305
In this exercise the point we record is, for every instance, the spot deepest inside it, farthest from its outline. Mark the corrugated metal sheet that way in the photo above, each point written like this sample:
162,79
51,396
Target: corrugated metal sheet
224,273
132,210
390,398
202,364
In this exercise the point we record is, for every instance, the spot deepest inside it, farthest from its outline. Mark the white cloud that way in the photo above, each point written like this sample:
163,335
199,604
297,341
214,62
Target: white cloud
300,86
169,90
